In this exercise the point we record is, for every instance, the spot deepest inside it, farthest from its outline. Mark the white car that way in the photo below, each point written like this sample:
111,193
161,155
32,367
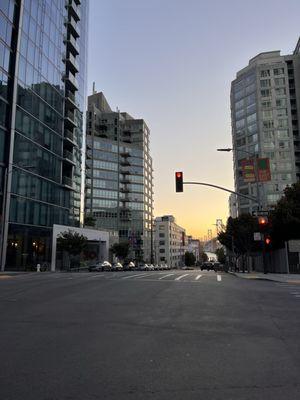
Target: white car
151,267
106,266
117,267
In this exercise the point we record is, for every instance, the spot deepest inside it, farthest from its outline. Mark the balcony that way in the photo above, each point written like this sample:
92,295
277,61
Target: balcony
124,190
68,156
125,171
73,26
67,181
70,119
70,137
71,81
125,163
125,154
73,9
124,180
71,63
71,101
72,45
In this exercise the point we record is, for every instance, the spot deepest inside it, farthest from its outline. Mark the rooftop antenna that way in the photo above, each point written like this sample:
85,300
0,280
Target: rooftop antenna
94,90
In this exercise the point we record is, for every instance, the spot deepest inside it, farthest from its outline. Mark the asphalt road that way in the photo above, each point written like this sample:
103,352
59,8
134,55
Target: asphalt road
137,335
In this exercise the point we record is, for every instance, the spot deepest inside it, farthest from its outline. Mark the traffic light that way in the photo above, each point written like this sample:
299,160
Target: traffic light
268,241
179,181
263,223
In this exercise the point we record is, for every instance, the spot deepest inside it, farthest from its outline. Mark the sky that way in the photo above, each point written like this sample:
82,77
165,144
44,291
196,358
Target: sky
171,62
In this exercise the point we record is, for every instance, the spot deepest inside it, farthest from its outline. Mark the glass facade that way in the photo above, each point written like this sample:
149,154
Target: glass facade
262,127
119,188
45,100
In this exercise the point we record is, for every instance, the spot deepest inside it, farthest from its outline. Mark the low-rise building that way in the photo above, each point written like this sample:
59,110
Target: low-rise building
169,242
194,247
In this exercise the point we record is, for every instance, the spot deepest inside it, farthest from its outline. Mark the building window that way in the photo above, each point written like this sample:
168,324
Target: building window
265,73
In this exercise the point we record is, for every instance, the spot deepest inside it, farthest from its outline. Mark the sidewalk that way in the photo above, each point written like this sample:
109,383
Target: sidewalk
288,278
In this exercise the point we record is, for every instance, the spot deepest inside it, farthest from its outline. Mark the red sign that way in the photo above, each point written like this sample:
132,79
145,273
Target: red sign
263,169
248,168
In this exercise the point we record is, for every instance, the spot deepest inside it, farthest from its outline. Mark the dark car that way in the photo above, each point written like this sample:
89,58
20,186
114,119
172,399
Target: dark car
207,265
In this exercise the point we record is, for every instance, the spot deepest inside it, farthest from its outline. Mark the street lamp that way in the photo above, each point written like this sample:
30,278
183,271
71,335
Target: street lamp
228,149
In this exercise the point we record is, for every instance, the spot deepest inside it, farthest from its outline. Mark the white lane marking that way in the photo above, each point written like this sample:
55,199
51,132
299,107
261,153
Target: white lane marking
165,276
96,276
142,276
219,278
180,277
198,277
297,295
133,276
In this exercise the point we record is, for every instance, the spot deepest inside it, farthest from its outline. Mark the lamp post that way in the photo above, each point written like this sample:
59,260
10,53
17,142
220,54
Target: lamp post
249,154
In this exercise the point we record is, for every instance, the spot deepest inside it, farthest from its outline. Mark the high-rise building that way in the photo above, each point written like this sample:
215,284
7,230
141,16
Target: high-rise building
265,110
170,242
119,175
42,99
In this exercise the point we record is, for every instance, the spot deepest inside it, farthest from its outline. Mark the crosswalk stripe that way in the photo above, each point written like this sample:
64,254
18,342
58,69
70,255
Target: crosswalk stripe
219,278
180,277
143,276
133,276
198,277
165,276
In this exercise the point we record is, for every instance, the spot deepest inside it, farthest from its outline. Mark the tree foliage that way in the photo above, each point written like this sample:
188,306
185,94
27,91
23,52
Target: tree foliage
71,242
203,257
189,259
238,235
221,255
285,218
121,249
89,220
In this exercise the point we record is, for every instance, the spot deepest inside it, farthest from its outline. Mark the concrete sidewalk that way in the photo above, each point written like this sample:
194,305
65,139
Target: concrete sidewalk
288,278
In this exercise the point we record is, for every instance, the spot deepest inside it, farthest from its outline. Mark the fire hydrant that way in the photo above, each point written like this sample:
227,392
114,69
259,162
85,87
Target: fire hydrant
38,268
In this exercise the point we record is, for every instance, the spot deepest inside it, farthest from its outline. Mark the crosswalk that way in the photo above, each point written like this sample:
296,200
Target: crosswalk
159,276
293,289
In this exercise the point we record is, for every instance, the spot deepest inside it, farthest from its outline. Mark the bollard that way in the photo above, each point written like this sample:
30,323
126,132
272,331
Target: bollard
38,268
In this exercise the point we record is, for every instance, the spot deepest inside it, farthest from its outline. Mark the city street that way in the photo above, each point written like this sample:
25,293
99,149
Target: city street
148,335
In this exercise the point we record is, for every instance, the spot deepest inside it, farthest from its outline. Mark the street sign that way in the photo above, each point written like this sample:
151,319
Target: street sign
260,213
263,170
257,236
248,168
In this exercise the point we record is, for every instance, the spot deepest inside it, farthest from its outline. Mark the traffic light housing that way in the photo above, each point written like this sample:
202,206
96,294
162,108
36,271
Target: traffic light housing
263,223
179,181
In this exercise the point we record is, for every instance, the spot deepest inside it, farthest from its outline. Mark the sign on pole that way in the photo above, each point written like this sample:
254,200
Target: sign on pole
263,170
257,236
248,168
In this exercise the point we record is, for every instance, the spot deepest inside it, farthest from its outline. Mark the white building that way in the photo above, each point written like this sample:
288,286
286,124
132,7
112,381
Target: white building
194,247
170,242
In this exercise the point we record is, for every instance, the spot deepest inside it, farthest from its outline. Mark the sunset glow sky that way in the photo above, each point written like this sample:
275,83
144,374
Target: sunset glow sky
171,63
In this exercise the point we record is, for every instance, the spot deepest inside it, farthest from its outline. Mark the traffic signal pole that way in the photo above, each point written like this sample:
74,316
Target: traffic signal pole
221,188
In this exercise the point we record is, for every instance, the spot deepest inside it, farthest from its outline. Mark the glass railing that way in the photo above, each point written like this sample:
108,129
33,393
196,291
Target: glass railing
67,181
68,155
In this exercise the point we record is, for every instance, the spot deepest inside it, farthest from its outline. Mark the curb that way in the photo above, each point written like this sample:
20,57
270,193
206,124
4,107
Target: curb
256,278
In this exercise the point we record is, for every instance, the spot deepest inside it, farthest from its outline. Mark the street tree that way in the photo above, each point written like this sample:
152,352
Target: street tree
221,255
120,250
189,259
285,218
72,243
89,220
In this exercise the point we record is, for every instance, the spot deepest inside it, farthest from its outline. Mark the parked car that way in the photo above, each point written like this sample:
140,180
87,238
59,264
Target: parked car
156,267
117,267
130,266
100,266
143,267
207,265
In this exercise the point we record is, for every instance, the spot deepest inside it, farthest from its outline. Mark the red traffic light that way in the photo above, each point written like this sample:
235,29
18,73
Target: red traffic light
263,221
179,181
268,240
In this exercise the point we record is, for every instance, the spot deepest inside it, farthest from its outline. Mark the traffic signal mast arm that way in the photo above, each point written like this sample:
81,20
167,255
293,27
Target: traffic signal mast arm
222,188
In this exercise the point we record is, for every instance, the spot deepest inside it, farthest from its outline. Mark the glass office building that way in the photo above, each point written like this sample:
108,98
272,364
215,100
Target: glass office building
119,174
42,99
